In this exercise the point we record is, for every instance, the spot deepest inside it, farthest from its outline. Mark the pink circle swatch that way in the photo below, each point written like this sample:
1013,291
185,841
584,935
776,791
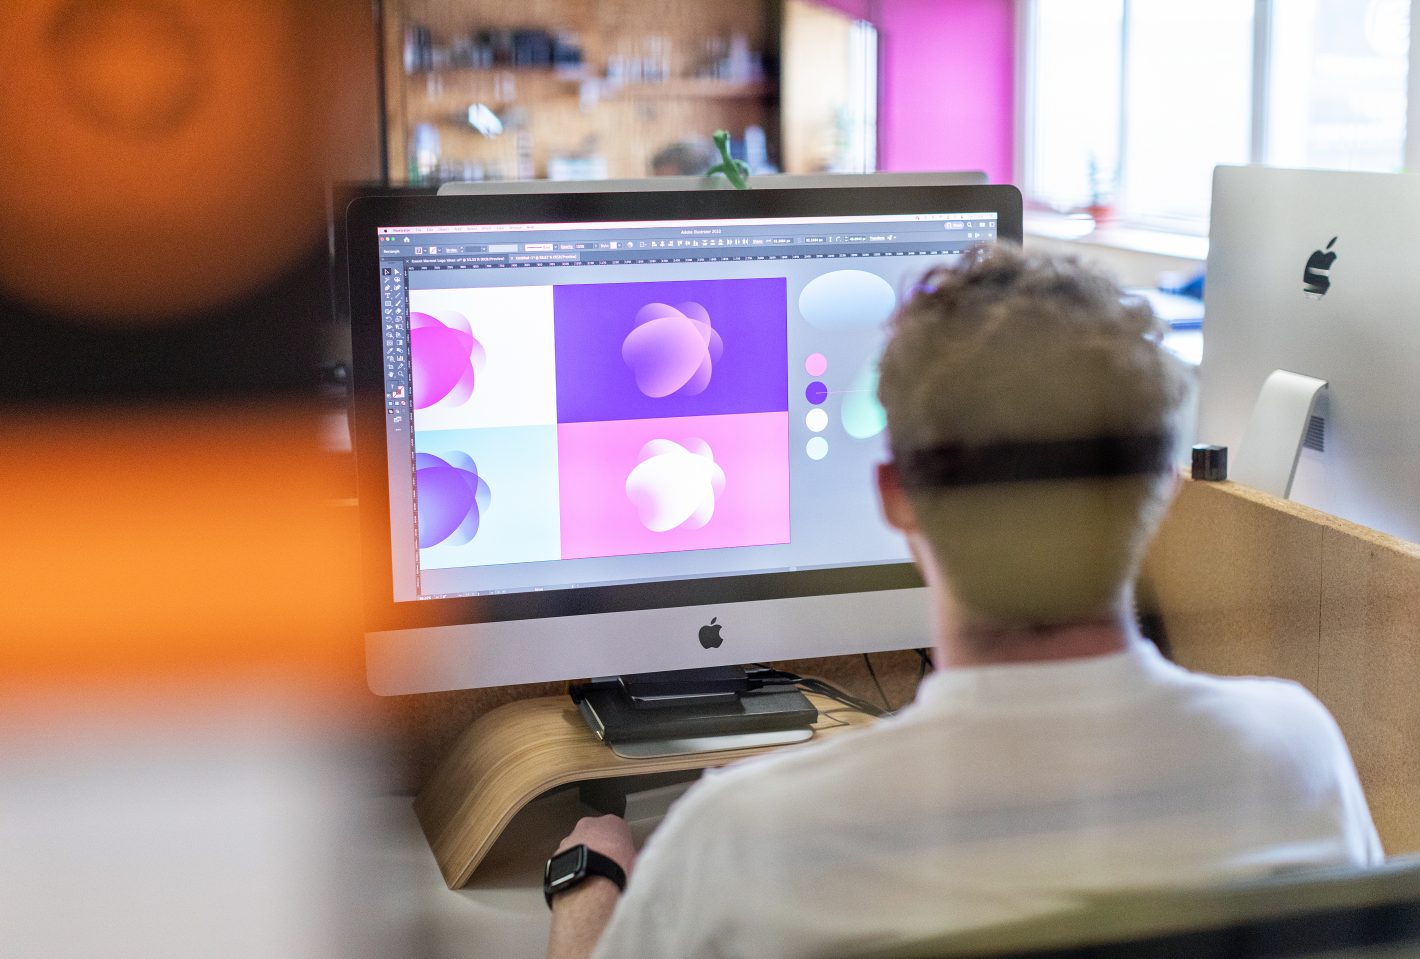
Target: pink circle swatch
816,364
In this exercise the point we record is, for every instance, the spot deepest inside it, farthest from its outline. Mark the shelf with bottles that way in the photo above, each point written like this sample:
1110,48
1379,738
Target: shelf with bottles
726,67
695,88
705,88
525,49
562,74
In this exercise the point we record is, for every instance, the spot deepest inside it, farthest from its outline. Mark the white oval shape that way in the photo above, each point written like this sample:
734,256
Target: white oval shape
847,300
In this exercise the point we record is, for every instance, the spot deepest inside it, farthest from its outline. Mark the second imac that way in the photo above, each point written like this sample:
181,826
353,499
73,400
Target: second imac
1312,273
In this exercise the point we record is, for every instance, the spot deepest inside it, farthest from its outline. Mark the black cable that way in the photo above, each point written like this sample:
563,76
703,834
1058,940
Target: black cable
762,675
925,666
882,694
841,696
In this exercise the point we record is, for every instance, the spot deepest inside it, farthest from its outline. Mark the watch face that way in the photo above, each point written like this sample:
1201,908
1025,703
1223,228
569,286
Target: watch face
565,866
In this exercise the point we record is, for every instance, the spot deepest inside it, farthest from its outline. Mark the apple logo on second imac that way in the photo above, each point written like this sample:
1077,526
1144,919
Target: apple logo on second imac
1316,278
710,636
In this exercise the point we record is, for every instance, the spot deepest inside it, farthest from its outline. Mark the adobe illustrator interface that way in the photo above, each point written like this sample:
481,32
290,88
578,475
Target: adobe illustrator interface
588,404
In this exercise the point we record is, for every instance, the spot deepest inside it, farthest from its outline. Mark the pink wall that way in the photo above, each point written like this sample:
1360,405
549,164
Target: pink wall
946,97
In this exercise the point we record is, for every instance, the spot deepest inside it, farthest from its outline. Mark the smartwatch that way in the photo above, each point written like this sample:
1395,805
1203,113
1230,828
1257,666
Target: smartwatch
569,867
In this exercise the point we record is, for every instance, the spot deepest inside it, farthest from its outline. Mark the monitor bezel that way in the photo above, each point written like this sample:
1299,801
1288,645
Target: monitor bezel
366,214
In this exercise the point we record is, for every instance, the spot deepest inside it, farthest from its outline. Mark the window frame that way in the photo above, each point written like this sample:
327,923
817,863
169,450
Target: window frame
1259,107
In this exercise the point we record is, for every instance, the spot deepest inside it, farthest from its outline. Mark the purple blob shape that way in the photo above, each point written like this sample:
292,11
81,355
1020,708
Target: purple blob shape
452,498
672,349
816,393
444,358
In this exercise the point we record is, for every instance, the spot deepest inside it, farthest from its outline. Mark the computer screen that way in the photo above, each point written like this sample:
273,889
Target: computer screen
1312,272
621,433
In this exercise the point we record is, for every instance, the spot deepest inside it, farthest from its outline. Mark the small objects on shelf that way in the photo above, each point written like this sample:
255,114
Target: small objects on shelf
526,47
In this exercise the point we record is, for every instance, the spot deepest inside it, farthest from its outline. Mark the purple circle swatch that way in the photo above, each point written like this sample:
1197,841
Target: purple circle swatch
816,364
816,393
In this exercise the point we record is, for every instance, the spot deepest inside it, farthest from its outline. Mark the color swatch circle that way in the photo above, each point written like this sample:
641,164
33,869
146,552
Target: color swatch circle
817,420
816,364
817,448
816,393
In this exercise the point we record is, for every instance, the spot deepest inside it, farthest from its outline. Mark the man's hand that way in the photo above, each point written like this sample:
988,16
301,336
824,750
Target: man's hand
580,914
608,835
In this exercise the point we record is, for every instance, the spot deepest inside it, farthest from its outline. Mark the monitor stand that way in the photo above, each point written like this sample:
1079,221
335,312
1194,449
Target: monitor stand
692,711
1276,431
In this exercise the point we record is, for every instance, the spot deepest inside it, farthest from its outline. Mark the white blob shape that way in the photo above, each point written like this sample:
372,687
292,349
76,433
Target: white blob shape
675,486
817,448
697,446
817,420
847,300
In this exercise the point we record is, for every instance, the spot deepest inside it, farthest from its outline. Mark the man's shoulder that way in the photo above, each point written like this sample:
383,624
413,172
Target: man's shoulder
1266,693
1261,713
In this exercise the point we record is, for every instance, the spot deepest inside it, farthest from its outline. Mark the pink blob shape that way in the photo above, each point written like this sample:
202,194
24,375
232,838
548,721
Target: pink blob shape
444,359
816,364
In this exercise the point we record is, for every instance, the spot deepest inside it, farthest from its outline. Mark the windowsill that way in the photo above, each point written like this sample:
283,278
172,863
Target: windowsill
1082,229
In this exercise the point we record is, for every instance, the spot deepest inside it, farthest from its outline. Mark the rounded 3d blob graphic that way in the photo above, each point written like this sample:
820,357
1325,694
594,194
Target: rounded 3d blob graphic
452,498
674,485
444,358
847,300
673,349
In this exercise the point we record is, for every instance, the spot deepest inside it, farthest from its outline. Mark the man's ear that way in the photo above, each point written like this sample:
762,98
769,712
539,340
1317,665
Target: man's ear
897,508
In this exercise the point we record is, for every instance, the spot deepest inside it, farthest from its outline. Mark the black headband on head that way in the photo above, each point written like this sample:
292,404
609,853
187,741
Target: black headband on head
1017,462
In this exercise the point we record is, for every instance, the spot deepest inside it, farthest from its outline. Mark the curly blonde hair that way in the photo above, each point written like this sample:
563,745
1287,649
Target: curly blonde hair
1012,348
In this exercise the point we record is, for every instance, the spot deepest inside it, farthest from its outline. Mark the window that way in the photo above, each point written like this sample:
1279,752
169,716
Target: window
1131,103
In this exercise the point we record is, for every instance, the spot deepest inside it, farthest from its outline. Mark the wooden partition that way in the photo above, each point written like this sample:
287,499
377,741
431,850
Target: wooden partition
1249,584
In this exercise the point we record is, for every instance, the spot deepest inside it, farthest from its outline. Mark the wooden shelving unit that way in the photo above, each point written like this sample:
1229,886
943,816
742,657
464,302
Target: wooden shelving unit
562,112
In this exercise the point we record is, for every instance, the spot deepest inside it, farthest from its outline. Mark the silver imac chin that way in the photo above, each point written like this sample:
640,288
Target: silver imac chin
1312,272
432,659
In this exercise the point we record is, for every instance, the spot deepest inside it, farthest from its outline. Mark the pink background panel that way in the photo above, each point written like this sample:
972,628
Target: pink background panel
595,458
946,83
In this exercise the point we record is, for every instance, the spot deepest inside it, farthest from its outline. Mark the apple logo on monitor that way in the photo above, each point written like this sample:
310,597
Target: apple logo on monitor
710,636
1316,278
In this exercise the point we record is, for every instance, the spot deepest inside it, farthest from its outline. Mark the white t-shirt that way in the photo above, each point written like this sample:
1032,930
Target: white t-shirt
999,792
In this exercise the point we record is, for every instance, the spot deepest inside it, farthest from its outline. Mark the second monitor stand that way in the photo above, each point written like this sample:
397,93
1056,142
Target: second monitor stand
693,710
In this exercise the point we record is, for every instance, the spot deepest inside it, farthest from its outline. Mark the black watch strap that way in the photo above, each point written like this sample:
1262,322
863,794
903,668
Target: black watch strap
570,867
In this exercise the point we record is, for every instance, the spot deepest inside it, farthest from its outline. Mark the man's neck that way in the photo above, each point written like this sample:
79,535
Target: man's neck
969,644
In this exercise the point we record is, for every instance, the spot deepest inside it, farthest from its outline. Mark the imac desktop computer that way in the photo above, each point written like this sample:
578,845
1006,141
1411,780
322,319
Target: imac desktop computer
1312,273
613,433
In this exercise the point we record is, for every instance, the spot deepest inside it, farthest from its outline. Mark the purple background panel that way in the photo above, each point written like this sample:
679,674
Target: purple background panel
591,321
599,519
